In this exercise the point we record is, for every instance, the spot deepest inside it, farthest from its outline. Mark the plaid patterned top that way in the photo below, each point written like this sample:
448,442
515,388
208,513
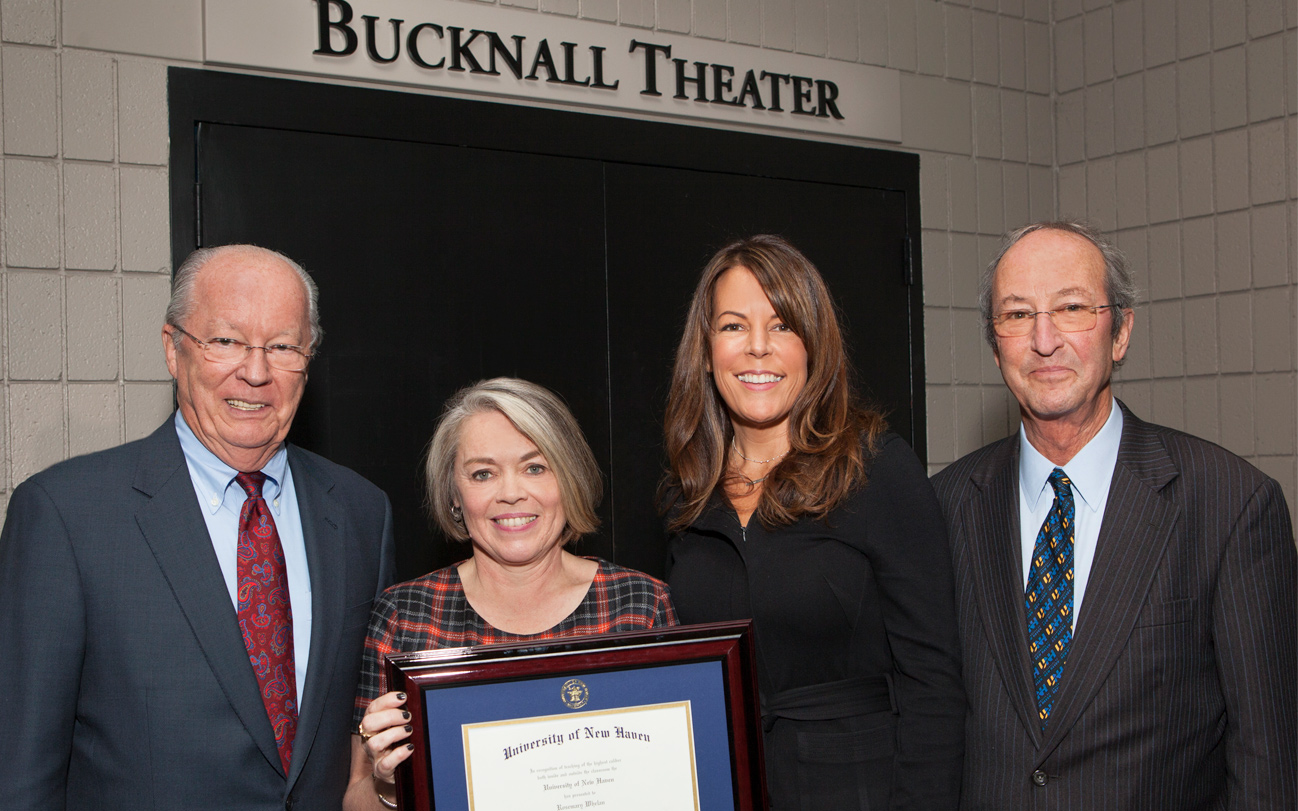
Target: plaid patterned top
432,612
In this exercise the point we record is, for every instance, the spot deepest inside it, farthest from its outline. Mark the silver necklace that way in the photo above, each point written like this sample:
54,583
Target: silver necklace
756,461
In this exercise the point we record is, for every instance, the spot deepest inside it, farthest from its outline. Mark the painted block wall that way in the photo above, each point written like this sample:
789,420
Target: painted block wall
1170,122
1175,129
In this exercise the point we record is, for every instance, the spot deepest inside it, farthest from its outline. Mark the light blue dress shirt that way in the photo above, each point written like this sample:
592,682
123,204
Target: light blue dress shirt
1090,471
221,499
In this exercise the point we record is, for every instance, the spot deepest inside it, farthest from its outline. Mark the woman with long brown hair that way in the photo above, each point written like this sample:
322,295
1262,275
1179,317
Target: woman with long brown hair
789,503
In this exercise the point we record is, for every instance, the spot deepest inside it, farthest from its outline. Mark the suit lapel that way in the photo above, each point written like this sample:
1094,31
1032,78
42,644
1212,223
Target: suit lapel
322,531
1138,520
992,529
174,529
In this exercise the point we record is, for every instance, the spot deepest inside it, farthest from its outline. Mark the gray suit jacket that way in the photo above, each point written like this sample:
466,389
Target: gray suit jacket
1179,688
124,681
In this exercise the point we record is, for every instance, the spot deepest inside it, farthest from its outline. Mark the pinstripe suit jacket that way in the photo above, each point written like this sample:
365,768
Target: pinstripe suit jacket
1179,689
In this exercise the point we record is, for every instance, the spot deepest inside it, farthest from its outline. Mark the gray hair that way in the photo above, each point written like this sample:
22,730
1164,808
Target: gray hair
539,415
1119,285
186,278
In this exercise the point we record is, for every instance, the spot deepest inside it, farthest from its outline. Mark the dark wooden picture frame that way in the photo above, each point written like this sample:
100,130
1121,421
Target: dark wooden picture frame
729,644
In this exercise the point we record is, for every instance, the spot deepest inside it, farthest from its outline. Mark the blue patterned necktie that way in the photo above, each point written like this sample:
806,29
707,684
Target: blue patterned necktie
1050,596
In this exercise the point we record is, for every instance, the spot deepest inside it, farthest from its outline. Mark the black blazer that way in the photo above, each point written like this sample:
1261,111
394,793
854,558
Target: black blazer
126,683
1179,688
857,656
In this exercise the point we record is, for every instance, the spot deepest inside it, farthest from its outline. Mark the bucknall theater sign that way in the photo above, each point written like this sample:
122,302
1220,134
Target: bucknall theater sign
495,51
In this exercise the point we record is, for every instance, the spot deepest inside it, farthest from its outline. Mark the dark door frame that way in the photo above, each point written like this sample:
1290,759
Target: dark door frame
197,96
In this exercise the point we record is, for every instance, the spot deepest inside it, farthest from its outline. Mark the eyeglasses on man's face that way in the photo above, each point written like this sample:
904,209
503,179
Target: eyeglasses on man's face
1069,318
228,351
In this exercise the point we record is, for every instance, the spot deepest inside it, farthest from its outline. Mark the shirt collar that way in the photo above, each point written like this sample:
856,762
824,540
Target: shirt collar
215,479
1090,470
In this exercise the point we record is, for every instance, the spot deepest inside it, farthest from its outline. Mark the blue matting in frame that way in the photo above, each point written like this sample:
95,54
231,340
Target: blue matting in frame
700,683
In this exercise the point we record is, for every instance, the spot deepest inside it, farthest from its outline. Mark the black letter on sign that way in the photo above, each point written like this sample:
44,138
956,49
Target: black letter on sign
650,67
721,84
372,46
412,45
801,93
750,89
775,88
597,68
544,59
461,51
700,80
345,16
514,60
569,59
827,91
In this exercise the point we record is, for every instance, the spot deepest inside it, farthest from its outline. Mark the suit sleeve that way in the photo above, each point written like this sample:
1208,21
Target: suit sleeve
1255,614
382,623
387,555
912,562
42,636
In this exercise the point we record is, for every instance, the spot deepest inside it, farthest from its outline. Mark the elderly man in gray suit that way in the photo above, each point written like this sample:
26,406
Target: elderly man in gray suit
1126,592
182,617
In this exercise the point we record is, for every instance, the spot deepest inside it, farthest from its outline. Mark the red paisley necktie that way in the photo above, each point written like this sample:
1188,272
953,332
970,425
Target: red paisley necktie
265,615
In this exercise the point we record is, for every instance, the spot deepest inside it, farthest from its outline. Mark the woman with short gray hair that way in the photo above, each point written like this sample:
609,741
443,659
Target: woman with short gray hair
509,471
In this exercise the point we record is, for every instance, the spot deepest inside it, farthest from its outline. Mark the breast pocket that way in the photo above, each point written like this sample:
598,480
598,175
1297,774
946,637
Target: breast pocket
1168,613
1170,649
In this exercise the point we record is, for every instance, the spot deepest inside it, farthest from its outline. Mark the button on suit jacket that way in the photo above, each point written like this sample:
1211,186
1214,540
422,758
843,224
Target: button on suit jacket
1179,688
124,681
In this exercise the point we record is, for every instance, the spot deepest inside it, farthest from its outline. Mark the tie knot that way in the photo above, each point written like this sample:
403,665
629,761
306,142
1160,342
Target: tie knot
251,482
1060,482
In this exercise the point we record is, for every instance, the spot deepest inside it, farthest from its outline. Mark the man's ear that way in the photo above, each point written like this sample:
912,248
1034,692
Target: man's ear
1123,340
169,348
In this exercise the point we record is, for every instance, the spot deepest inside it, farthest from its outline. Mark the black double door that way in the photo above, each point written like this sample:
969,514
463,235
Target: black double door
444,261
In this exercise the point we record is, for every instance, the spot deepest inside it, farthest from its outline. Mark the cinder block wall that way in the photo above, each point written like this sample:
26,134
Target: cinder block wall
997,175
1175,124
84,240
1174,130
85,244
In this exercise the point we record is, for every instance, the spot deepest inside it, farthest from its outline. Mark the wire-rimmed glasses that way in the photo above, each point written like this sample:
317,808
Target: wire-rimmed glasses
228,351
1068,318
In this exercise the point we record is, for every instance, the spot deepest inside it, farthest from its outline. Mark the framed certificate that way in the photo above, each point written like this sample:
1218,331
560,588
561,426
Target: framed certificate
652,720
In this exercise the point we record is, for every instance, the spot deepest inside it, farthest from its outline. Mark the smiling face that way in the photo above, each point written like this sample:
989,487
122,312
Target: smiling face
1058,377
241,412
513,509
758,363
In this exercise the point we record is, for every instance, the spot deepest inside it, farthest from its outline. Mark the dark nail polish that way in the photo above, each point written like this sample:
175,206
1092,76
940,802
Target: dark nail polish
409,728
405,716
410,746
401,696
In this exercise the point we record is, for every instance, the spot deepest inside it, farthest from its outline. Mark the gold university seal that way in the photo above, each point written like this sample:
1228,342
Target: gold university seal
574,694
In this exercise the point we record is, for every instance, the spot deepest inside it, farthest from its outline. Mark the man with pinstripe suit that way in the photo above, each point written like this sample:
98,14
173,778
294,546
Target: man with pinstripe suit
1126,592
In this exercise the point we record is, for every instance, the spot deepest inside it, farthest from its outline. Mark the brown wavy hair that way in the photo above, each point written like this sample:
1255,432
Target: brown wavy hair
832,436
